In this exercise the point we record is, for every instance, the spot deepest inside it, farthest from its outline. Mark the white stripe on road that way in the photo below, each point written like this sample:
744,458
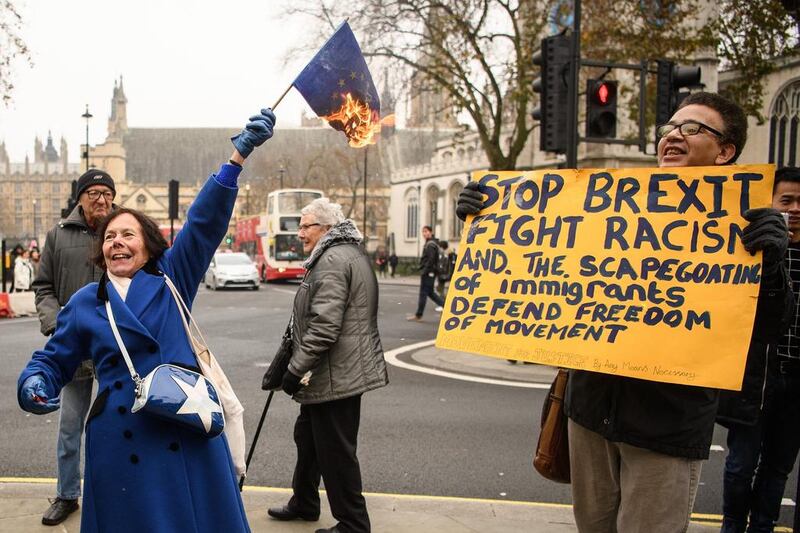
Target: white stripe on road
287,291
18,320
716,448
392,358
787,502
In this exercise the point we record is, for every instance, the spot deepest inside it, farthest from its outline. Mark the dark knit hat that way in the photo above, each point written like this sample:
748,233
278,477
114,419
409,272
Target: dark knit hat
94,177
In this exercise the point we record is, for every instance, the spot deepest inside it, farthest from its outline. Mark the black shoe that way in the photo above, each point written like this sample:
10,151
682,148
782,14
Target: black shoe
285,513
333,529
59,511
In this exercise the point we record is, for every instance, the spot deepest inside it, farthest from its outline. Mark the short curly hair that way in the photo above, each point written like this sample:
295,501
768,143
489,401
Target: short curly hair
326,212
733,117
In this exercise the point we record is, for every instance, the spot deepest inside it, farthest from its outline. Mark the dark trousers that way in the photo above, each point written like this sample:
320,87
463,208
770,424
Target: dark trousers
326,435
760,458
426,291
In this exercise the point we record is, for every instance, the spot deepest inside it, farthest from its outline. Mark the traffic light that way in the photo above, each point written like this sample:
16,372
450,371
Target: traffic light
553,57
601,109
173,198
670,78
229,239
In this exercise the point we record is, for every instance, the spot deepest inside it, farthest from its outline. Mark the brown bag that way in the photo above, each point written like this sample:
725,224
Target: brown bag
552,451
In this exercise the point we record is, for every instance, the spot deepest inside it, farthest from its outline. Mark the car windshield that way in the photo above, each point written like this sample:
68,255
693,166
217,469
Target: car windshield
233,259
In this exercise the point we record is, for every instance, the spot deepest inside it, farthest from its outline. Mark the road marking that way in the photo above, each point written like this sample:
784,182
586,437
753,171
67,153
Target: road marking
392,358
716,448
19,320
788,502
287,291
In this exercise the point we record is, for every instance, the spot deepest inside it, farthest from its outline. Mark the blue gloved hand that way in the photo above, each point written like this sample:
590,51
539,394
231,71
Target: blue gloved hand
33,396
257,131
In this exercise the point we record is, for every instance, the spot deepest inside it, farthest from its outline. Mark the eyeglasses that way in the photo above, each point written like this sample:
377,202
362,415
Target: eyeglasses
304,227
95,194
688,128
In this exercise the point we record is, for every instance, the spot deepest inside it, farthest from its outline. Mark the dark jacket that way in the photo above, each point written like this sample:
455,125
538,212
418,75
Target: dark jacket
335,333
65,267
675,420
744,407
429,258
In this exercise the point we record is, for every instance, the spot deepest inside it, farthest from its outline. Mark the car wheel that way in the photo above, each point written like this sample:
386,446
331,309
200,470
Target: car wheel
256,287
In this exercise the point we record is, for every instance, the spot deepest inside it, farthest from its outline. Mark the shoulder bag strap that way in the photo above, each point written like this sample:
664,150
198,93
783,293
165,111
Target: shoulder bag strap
134,375
190,326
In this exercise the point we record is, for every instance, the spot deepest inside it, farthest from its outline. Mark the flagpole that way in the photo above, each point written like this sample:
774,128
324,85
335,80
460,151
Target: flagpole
281,96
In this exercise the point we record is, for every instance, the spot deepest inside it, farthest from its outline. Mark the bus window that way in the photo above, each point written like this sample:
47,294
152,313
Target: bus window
289,223
288,248
294,201
271,205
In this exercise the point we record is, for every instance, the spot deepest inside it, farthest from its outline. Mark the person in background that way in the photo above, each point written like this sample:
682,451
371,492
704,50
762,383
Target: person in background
380,261
143,473
636,447
335,339
63,269
427,266
393,263
35,259
23,272
762,418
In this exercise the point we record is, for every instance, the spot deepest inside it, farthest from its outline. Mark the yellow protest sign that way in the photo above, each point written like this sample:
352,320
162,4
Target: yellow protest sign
634,272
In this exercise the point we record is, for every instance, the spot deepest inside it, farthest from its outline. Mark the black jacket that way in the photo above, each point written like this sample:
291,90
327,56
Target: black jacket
675,420
65,266
744,407
430,257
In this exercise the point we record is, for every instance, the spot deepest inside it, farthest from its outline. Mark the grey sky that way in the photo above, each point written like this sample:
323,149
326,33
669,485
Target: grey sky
186,63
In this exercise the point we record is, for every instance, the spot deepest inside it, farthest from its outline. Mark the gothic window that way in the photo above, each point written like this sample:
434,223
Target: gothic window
432,214
18,186
783,126
456,224
412,214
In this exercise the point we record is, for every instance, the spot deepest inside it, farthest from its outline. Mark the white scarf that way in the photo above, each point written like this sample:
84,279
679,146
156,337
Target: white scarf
120,284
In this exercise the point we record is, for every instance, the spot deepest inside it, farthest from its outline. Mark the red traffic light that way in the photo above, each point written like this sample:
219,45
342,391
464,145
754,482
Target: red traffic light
604,92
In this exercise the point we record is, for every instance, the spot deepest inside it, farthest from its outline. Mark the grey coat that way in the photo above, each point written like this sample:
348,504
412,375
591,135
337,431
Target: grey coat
335,332
65,267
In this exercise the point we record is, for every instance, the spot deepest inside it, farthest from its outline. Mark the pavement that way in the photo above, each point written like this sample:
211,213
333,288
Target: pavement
23,500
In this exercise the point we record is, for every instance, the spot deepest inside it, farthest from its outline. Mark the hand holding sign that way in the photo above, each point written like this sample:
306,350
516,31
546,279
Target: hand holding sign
470,200
766,232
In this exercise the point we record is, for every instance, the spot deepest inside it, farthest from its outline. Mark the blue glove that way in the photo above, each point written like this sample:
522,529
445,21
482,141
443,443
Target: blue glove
257,131
33,396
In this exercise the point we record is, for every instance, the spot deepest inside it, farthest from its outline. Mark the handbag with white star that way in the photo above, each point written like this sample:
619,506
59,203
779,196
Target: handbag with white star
174,394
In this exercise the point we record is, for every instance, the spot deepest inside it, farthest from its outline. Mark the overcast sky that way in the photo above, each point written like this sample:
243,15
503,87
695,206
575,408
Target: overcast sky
185,63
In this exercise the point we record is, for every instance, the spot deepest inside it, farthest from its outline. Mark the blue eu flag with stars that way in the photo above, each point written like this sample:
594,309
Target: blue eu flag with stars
337,69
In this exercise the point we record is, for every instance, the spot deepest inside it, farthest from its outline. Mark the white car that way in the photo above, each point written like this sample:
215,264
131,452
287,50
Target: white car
232,270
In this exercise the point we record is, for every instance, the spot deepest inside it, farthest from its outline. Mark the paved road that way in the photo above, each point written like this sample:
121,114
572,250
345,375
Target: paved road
423,434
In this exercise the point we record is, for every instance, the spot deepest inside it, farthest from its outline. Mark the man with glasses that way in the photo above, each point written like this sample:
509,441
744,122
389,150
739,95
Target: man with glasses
65,267
636,446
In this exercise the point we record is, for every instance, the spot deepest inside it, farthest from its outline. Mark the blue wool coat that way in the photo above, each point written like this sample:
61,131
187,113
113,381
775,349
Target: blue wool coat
143,474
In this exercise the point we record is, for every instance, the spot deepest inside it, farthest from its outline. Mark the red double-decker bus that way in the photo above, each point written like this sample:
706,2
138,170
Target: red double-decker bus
271,239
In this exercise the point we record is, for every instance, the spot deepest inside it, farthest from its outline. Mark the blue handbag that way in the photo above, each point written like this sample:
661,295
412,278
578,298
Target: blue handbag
174,394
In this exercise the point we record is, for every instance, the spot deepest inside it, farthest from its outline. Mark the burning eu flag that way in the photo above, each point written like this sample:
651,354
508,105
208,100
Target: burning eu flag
337,85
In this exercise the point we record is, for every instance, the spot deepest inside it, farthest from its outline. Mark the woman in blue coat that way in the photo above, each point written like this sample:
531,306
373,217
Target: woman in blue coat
143,473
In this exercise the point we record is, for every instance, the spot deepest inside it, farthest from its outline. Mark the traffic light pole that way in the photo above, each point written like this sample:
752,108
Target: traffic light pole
574,73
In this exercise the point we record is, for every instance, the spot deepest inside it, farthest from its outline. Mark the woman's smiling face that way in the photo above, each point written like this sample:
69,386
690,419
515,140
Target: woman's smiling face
124,250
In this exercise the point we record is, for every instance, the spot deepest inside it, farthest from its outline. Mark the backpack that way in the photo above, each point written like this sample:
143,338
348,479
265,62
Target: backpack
443,266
